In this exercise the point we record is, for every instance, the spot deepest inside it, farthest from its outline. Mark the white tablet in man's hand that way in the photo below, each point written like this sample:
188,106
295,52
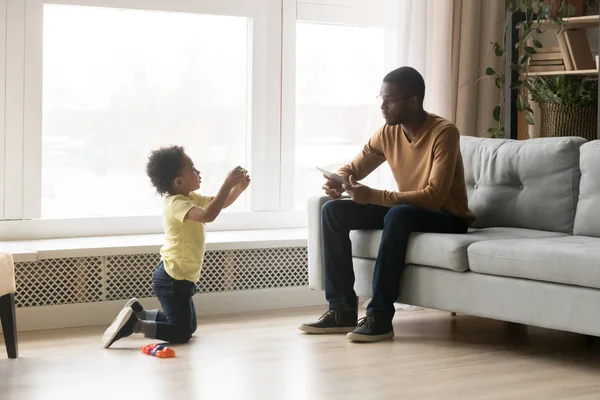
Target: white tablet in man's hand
333,176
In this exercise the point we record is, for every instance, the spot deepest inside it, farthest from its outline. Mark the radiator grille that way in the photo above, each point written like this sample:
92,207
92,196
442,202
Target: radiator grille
59,281
92,279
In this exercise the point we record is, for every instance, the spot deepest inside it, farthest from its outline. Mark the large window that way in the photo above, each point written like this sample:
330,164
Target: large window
111,95
91,87
338,73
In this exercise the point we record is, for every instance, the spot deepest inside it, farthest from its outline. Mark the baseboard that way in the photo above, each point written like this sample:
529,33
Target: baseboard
102,313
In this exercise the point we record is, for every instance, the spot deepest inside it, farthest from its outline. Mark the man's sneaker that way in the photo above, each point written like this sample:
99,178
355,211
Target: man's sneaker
333,321
121,327
135,305
370,329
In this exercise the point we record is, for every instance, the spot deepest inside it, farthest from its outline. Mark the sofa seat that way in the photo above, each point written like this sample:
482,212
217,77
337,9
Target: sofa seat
571,260
441,250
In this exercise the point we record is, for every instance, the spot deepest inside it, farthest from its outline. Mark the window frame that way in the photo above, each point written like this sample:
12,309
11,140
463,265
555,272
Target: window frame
364,13
23,141
271,115
3,163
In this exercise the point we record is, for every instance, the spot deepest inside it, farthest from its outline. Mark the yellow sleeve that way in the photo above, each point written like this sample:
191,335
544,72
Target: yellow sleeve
201,200
179,207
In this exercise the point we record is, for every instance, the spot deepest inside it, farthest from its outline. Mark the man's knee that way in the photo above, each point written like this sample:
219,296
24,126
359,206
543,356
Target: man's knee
400,214
331,207
334,210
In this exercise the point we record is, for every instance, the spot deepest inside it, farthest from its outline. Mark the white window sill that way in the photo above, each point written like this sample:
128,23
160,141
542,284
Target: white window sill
33,250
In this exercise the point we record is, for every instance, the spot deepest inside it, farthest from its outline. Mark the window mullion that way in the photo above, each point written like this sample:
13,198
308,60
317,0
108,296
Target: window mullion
32,126
14,108
266,109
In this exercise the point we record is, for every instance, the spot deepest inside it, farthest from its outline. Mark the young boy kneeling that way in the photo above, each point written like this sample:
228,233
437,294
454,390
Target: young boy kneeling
174,176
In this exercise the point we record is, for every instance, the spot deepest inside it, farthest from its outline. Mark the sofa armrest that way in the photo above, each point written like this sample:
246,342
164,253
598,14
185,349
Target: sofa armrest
315,253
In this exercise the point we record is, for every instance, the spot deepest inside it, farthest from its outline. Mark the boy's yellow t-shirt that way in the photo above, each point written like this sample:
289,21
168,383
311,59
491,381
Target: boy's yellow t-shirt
184,247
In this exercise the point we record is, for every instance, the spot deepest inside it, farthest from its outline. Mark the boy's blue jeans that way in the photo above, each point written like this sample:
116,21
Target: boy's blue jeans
339,217
177,322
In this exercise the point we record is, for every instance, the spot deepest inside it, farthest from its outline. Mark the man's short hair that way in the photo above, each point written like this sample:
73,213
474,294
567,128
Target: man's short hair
409,80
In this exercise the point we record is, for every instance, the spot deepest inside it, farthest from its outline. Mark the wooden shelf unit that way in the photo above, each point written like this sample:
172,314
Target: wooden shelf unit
588,21
572,72
511,116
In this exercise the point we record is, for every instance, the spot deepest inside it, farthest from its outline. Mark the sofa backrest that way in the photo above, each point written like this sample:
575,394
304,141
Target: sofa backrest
530,184
587,217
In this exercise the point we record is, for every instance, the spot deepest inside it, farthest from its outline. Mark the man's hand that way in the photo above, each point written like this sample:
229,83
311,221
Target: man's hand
359,193
332,188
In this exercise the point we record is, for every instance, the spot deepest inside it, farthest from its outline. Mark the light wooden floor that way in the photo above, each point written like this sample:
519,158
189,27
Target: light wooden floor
263,356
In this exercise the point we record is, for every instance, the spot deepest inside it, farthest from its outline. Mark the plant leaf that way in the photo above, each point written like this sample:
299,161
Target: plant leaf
517,84
546,9
529,50
520,103
490,71
496,113
538,44
498,49
529,119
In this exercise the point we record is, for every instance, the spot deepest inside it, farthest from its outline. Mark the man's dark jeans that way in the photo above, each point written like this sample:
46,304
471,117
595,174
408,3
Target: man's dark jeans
177,322
339,217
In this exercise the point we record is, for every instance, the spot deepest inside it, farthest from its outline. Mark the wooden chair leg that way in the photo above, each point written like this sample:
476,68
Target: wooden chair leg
9,324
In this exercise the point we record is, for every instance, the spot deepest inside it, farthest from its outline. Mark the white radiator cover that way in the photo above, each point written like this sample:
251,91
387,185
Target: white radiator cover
62,281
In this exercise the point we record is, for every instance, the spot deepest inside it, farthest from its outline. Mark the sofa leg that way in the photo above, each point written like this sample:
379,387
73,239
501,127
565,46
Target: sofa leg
9,324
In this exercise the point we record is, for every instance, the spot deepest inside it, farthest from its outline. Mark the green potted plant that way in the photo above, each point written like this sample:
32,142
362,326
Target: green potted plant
534,12
568,105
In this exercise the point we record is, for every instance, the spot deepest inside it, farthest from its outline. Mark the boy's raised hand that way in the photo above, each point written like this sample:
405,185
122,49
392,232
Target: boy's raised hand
243,184
235,176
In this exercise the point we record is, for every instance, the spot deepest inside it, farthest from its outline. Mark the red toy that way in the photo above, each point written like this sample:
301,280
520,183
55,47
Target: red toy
158,350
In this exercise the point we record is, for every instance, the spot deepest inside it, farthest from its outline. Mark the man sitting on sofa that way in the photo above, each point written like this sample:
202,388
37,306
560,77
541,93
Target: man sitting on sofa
423,151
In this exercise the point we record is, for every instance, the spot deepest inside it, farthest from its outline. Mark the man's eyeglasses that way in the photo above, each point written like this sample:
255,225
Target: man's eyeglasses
387,100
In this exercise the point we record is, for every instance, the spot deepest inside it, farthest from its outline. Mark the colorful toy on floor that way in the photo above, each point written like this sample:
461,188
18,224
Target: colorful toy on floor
158,350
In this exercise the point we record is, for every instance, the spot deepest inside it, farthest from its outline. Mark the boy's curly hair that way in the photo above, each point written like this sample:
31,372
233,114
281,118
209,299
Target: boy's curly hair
164,165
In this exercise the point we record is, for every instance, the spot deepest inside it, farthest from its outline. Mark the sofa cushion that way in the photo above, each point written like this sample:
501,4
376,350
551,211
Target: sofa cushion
587,218
508,180
572,260
441,250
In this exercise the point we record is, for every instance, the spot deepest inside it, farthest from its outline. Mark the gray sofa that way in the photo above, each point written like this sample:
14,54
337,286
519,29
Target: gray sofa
533,254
